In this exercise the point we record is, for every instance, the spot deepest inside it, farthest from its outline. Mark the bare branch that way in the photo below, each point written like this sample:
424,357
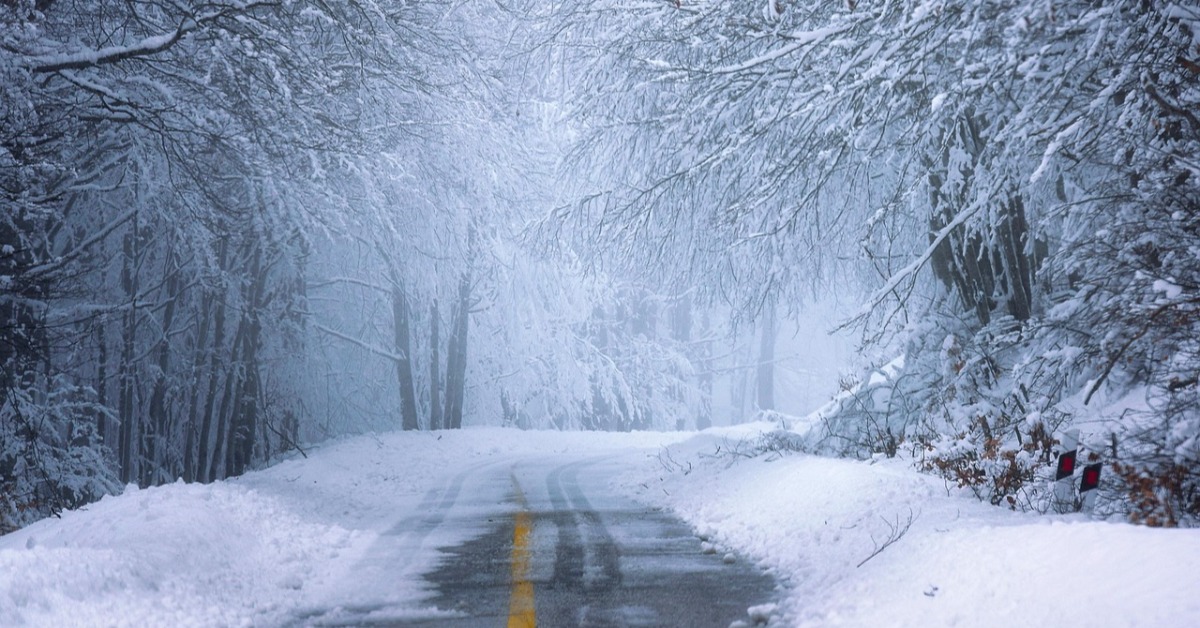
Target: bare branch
360,344
896,531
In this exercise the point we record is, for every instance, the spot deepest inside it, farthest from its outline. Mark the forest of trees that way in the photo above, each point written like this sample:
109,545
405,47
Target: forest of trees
1012,182
235,227
231,229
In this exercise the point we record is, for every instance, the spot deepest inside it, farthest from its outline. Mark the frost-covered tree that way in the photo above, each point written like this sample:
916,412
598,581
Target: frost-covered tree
1012,173
165,169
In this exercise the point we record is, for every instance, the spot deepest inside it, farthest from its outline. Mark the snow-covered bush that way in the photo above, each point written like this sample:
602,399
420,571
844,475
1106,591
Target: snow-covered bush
950,405
867,417
50,456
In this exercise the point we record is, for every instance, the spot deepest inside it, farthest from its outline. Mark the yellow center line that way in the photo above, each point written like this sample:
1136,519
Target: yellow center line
520,605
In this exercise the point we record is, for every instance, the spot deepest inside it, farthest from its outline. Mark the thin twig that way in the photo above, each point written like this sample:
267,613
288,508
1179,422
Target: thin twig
895,533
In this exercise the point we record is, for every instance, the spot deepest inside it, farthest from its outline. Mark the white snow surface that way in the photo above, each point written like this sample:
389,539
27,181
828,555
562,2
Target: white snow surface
812,520
261,549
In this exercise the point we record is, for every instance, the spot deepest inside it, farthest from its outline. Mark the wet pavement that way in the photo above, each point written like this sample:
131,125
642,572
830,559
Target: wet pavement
554,546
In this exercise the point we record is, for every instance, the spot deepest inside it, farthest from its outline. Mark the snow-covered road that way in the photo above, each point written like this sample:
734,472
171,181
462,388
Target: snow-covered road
460,527
552,544
352,534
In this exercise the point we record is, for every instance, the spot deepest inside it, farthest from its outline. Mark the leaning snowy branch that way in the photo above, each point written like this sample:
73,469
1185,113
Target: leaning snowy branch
896,531
395,357
146,47
797,41
910,270
83,247
335,281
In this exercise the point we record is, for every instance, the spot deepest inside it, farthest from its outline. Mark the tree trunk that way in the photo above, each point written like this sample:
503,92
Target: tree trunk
681,332
435,391
704,419
401,318
739,379
197,441
244,419
456,361
766,359
1017,267
127,444
102,381
244,412
189,449
158,421
205,455
643,321
219,466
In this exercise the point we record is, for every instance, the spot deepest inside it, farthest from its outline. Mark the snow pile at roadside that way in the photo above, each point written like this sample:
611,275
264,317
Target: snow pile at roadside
812,521
257,550
157,556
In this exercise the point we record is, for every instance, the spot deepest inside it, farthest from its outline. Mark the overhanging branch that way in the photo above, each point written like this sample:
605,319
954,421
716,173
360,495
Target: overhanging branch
147,47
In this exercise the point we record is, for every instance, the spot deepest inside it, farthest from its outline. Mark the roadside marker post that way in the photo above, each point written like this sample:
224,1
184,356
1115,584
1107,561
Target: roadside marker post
1088,484
1064,489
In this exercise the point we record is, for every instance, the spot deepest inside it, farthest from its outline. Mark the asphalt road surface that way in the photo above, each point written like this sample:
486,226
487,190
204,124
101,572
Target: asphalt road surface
553,546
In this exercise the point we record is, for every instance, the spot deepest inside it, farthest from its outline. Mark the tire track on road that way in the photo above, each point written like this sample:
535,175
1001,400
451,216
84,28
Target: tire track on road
587,574
605,549
399,544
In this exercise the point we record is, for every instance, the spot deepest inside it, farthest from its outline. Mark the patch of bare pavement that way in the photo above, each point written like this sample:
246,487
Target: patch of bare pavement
558,548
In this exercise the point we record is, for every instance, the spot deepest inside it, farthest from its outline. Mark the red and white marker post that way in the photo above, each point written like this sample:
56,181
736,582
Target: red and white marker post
1088,484
1064,489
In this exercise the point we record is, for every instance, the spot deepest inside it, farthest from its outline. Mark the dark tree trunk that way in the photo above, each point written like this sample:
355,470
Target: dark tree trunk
1017,267
127,444
189,450
456,361
985,266
435,391
244,419
206,456
401,320
159,422
219,466
244,412
102,381
197,441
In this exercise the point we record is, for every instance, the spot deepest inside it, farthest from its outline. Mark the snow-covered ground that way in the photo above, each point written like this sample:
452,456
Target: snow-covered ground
813,521
261,549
